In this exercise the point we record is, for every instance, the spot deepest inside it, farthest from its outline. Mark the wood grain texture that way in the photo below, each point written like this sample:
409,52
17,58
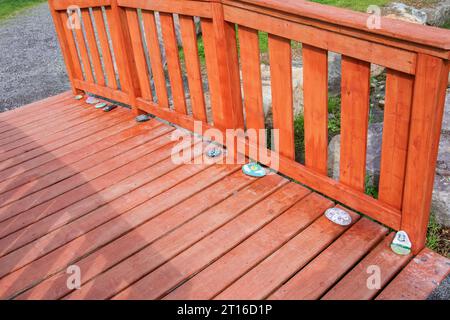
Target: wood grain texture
241,259
154,51
173,62
93,48
193,68
334,40
353,286
251,77
70,61
354,122
282,95
315,95
346,21
120,36
276,269
320,274
420,277
397,116
139,54
177,270
426,122
105,47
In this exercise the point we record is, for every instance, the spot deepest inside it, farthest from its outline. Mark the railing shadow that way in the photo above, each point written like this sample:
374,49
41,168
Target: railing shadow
59,231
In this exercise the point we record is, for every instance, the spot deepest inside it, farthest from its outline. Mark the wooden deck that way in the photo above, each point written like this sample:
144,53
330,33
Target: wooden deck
97,190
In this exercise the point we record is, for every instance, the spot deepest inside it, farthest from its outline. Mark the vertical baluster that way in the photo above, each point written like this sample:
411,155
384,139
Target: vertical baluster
83,51
151,37
92,43
173,62
251,76
70,55
104,44
282,100
397,113
138,53
213,74
354,121
189,39
315,86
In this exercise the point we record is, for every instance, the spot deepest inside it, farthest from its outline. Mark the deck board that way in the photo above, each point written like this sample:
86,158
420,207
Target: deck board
80,186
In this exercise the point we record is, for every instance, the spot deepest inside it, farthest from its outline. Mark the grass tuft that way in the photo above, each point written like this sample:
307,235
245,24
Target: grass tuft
10,7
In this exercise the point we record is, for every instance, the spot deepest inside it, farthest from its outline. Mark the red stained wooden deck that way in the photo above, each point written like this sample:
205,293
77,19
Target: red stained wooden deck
97,190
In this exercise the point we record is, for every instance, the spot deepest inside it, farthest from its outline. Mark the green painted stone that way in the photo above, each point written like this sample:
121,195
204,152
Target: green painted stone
254,169
100,105
401,244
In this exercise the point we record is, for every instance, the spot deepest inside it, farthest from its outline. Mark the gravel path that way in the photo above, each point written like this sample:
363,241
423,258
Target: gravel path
32,68
31,65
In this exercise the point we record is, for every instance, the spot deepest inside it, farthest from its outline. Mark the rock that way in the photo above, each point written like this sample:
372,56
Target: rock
297,85
438,14
401,11
441,193
376,70
374,140
440,205
334,74
446,122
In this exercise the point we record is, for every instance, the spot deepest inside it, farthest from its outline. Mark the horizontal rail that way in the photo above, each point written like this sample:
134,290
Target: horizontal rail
191,8
64,4
390,28
394,58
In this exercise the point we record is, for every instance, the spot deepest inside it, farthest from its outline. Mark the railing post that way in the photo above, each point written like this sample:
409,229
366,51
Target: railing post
123,52
229,114
426,122
59,27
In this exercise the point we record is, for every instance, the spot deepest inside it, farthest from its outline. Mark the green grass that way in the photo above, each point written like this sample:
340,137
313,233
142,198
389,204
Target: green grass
358,5
299,138
438,238
370,189
446,25
9,7
334,118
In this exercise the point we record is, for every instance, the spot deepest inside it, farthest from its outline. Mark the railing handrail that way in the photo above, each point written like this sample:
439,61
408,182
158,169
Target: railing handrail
437,38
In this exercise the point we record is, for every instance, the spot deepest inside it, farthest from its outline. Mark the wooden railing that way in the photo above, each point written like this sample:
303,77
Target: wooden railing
416,58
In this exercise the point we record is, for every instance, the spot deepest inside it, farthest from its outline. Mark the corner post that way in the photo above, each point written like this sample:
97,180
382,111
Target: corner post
63,43
426,122
229,115
121,38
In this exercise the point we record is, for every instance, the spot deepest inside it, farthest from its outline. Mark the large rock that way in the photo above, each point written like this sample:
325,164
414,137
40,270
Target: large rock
441,192
334,73
438,14
374,140
297,85
401,11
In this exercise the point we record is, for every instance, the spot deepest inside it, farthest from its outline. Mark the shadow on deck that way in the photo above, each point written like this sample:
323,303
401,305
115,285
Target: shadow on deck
80,187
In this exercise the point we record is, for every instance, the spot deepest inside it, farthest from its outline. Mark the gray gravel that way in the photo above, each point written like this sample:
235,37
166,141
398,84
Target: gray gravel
32,68
31,65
